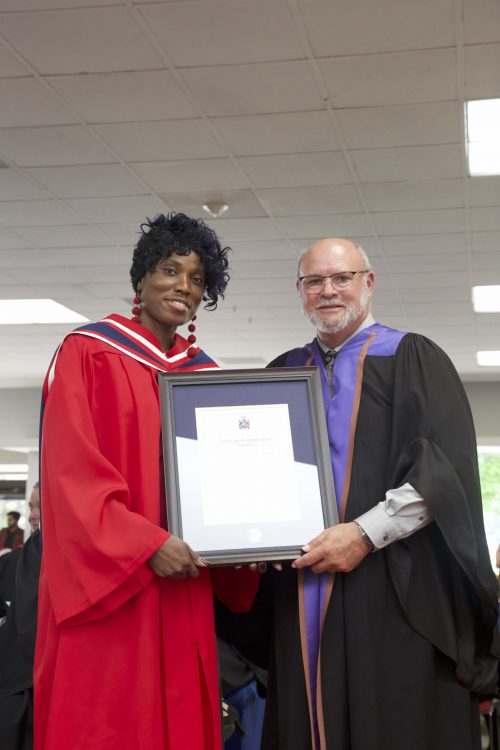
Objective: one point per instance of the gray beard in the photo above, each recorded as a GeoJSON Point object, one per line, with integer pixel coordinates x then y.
{"type": "Point", "coordinates": [350, 313]}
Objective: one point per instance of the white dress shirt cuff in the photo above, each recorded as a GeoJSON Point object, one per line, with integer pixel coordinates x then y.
{"type": "Point", "coordinates": [402, 513]}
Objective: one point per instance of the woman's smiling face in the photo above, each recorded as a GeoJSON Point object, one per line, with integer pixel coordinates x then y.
{"type": "Point", "coordinates": [171, 293]}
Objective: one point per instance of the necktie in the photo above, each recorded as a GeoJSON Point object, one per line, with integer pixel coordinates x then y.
{"type": "Point", "coordinates": [329, 361]}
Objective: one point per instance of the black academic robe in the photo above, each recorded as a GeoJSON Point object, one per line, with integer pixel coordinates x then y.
{"type": "Point", "coordinates": [403, 642]}
{"type": "Point", "coordinates": [17, 646]}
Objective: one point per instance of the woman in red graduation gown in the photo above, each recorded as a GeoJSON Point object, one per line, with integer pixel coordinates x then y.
{"type": "Point", "coordinates": [125, 656]}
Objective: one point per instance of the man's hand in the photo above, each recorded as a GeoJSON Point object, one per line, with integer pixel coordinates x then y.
{"type": "Point", "coordinates": [338, 548]}
{"type": "Point", "coordinates": [175, 559]}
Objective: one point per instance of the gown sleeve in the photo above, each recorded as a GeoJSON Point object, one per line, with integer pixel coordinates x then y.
{"type": "Point", "coordinates": [95, 548]}
{"type": "Point", "coordinates": [443, 574]}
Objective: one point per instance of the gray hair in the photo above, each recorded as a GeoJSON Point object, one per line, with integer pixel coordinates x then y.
{"type": "Point", "coordinates": [367, 266]}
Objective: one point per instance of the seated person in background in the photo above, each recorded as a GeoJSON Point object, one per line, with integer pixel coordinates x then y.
{"type": "Point", "coordinates": [17, 641]}
{"type": "Point", "coordinates": [12, 536]}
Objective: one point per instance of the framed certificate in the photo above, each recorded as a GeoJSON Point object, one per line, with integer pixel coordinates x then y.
{"type": "Point", "coordinates": [247, 465]}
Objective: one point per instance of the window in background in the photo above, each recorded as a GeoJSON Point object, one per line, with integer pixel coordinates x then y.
{"type": "Point", "coordinates": [489, 472]}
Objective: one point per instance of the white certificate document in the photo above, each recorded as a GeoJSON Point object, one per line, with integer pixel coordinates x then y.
{"type": "Point", "coordinates": [246, 464]}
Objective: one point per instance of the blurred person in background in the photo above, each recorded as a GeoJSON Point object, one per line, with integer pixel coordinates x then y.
{"type": "Point", "coordinates": [17, 638]}
{"type": "Point", "coordinates": [12, 536]}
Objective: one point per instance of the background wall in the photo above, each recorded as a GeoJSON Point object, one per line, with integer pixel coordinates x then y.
{"type": "Point", "coordinates": [20, 408]}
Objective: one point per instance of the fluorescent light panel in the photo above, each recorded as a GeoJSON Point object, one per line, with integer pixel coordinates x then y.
{"type": "Point", "coordinates": [488, 358]}
{"type": "Point", "coordinates": [486, 298]}
{"type": "Point", "coordinates": [483, 136]}
{"type": "Point", "coordinates": [18, 312]}
{"type": "Point", "coordinates": [14, 468]}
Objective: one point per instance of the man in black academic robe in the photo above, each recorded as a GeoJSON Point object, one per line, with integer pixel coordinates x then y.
{"type": "Point", "coordinates": [382, 631]}
{"type": "Point", "coordinates": [17, 641]}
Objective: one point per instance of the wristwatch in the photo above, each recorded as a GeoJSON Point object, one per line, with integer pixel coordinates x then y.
{"type": "Point", "coordinates": [365, 537]}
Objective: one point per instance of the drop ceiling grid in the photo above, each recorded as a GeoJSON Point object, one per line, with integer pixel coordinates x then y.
{"type": "Point", "coordinates": [399, 209]}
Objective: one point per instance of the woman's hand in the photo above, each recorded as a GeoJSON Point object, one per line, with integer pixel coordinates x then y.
{"type": "Point", "coordinates": [175, 559]}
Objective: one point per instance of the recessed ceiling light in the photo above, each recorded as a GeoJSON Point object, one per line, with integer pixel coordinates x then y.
{"type": "Point", "coordinates": [215, 208]}
{"type": "Point", "coordinates": [483, 136]}
{"type": "Point", "coordinates": [488, 358]}
{"type": "Point", "coordinates": [486, 298]}
{"type": "Point", "coordinates": [32, 311]}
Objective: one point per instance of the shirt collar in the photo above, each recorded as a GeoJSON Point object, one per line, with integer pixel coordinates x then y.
{"type": "Point", "coordinates": [367, 322]}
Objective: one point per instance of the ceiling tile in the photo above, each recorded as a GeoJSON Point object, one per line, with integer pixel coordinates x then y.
{"type": "Point", "coordinates": [54, 291]}
{"type": "Point", "coordinates": [124, 208]}
{"type": "Point", "coordinates": [160, 141]}
{"type": "Point", "coordinates": [245, 229]}
{"type": "Point", "coordinates": [243, 32]}
{"type": "Point", "coordinates": [36, 213]}
{"type": "Point", "coordinates": [324, 199]}
{"type": "Point", "coordinates": [424, 244]}
{"type": "Point", "coordinates": [481, 21]}
{"type": "Point", "coordinates": [58, 41]}
{"type": "Point", "coordinates": [28, 257]}
{"type": "Point", "coordinates": [251, 250]}
{"type": "Point", "coordinates": [26, 102]}
{"type": "Point", "coordinates": [18, 5]}
{"type": "Point", "coordinates": [404, 78]}
{"type": "Point", "coordinates": [10, 240]}
{"type": "Point", "coordinates": [484, 219]}
{"type": "Point", "coordinates": [427, 293]}
{"type": "Point", "coordinates": [483, 191]}
{"type": "Point", "coordinates": [68, 274]}
{"type": "Point", "coordinates": [387, 196]}
{"type": "Point", "coordinates": [486, 261]}
{"type": "Point", "coordinates": [347, 28]}
{"type": "Point", "coordinates": [16, 291]}
{"type": "Point", "coordinates": [254, 89]}
{"type": "Point", "coordinates": [10, 66]}
{"type": "Point", "coordinates": [336, 225]}
{"type": "Point", "coordinates": [278, 133]}
{"type": "Point", "coordinates": [484, 277]}
{"type": "Point", "coordinates": [290, 170]}
{"type": "Point", "coordinates": [265, 267]}
{"type": "Point", "coordinates": [102, 291]}
{"type": "Point", "coordinates": [124, 97]}
{"type": "Point", "coordinates": [63, 236]}
{"type": "Point", "coordinates": [88, 181]}
{"type": "Point", "coordinates": [90, 256]}
{"type": "Point", "coordinates": [418, 222]}
{"type": "Point", "coordinates": [123, 233]}
{"type": "Point", "coordinates": [15, 185]}
{"type": "Point", "coordinates": [180, 176]}
{"type": "Point", "coordinates": [428, 263]}
{"type": "Point", "coordinates": [481, 65]}
{"type": "Point", "coordinates": [241, 203]}
{"type": "Point", "coordinates": [432, 280]}
{"type": "Point", "coordinates": [409, 163]}
{"type": "Point", "coordinates": [486, 242]}
{"type": "Point", "coordinates": [51, 146]}
{"type": "Point", "coordinates": [405, 125]}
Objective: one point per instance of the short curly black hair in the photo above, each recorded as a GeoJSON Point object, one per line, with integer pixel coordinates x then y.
{"type": "Point", "coordinates": [178, 233]}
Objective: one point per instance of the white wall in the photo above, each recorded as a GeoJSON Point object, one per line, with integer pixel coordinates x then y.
{"type": "Point", "coordinates": [20, 410]}
{"type": "Point", "coordinates": [485, 404]}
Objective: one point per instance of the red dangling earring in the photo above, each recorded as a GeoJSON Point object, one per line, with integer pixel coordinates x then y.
{"type": "Point", "coordinates": [191, 338]}
{"type": "Point", "coordinates": [136, 310]}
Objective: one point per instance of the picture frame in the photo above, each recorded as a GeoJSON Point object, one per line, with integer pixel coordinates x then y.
{"type": "Point", "coordinates": [248, 472]}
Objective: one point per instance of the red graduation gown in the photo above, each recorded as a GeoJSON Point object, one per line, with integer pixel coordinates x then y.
{"type": "Point", "coordinates": [125, 660]}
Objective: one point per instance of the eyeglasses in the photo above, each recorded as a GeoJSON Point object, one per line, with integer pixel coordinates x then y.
{"type": "Point", "coordinates": [341, 280]}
